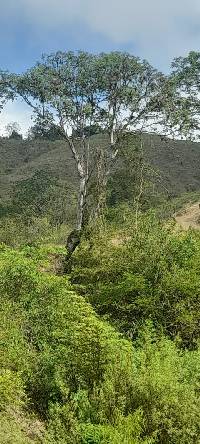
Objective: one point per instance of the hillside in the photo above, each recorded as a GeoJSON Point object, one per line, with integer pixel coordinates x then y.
{"type": "Point", "coordinates": [175, 166]}
{"type": "Point", "coordinates": [108, 353]}
{"type": "Point", "coordinates": [178, 163]}
{"type": "Point", "coordinates": [21, 159]}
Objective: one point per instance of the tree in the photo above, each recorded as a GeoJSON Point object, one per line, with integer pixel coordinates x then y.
{"type": "Point", "coordinates": [115, 91]}
{"type": "Point", "coordinates": [5, 92]}
{"type": "Point", "coordinates": [185, 78]}
{"type": "Point", "coordinates": [13, 130]}
{"type": "Point", "coordinates": [44, 128]}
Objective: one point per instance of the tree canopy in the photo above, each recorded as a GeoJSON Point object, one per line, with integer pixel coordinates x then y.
{"type": "Point", "coordinates": [73, 93]}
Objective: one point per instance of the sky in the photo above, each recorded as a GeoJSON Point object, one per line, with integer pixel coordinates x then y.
{"type": "Point", "coordinates": [157, 30]}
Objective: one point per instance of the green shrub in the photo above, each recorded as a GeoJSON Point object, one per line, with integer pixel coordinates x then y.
{"type": "Point", "coordinates": [164, 390]}
{"type": "Point", "coordinates": [148, 271]}
{"type": "Point", "coordinates": [67, 347]}
{"type": "Point", "coordinates": [11, 389]}
{"type": "Point", "coordinates": [77, 373]}
{"type": "Point", "coordinates": [127, 430]}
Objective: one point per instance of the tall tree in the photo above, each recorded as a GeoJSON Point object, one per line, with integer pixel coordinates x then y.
{"type": "Point", "coordinates": [79, 91]}
{"type": "Point", "coordinates": [185, 78]}
{"type": "Point", "coordinates": [44, 128]}
{"type": "Point", "coordinates": [6, 93]}
{"type": "Point", "coordinates": [13, 130]}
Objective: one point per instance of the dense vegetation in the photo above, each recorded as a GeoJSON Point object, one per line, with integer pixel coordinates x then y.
{"type": "Point", "coordinates": [108, 352]}
{"type": "Point", "coordinates": [130, 375]}
{"type": "Point", "coordinates": [31, 166]}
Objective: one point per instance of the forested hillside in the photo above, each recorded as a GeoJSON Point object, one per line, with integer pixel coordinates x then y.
{"type": "Point", "coordinates": [108, 353]}
{"type": "Point", "coordinates": [99, 284]}
{"type": "Point", "coordinates": [28, 166]}
{"type": "Point", "coordinates": [127, 372]}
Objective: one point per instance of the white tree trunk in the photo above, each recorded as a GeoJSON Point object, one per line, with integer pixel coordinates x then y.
{"type": "Point", "coordinates": [74, 237]}
{"type": "Point", "coordinates": [81, 202]}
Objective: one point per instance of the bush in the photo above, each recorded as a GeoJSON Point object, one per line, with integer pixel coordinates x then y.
{"type": "Point", "coordinates": [11, 389]}
{"type": "Point", "coordinates": [15, 232]}
{"type": "Point", "coordinates": [164, 390]}
{"type": "Point", "coordinates": [67, 347]}
{"type": "Point", "coordinates": [82, 378]}
{"type": "Point", "coordinates": [149, 271]}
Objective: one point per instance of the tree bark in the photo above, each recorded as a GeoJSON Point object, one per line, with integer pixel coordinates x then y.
{"type": "Point", "coordinates": [74, 237]}
{"type": "Point", "coordinates": [81, 203]}
{"type": "Point", "coordinates": [103, 172]}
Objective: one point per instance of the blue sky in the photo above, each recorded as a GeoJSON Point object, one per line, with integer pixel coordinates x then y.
{"type": "Point", "coordinates": [153, 29]}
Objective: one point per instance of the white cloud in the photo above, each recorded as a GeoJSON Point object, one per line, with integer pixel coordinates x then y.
{"type": "Point", "coordinates": [159, 28]}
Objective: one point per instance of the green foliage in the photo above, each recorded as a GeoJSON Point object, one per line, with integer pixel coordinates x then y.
{"type": "Point", "coordinates": [163, 388]}
{"type": "Point", "coordinates": [149, 271]}
{"type": "Point", "coordinates": [124, 183]}
{"type": "Point", "coordinates": [42, 195]}
{"type": "Point", "coordinates": [68, 375]}
{"type": "Point", "coordinates": [32, 194]}
{"type": "Point", "coordinates": [127, 430]}
{"type": "Point", "coordinates": [62, 426]}
{"type": "Point", "coordinates": [82, 92]}
{"type": "Point", "coordinates": [94, 88]}
{"type": "Point", "coordinates": [13, 130]}
{"type": "Point", "coordinates": [61, 346]}
{"type": "Point", "coordinates": [11, 389]}
{"type": "Point", "coordinates": [76, 372]}
{"type": "Point", "coordinates": [184, 76]}
{"type": "Point", "coordinates": [15, 232]}
{"type": "Point", "coordinates": [44, 128]}
{"type": "Point", "coordinates": [168, 209]}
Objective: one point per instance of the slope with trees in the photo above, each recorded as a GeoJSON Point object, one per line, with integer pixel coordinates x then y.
{"type": "Point", "coordinates": [108, 353]}
{"type": "Point", "coordinates": [116, 91]}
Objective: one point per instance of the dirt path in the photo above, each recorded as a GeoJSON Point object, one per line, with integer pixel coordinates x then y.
{"type": "Point", "coordinates": [189, 217]}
